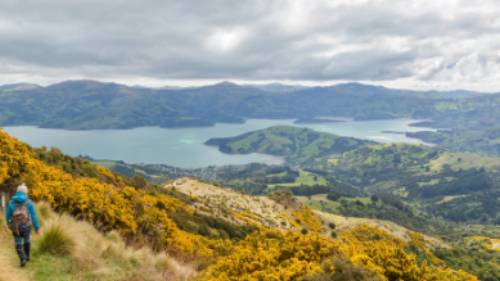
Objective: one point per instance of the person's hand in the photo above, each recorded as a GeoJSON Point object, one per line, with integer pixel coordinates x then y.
{"type": "Point", "coordinates": [37, 232]}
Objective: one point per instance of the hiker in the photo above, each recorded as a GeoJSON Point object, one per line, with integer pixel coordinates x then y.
{"type": "Point", "coordinates": [21, 217]}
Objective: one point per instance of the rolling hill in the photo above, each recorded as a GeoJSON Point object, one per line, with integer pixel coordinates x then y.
{"type": "Point", "coordinates": [297, 145]}
{"type": "Point", "coordinates": [228, 246]}
{"type": "Point", "coordinates": [405, 181]}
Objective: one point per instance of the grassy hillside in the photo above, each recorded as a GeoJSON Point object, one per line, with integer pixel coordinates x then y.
{"type": "Point", "coordinates": [274, 210]}
{"type": "Point", "coordinates": [411, 185]}
{"type": "Point", "coordinates": [89, 255]}
{"type": "Point", "coordinates": [261, 208]}
{"type": "Point", "coordinates": [295, 144]}
{"type": "Point", "coordinates": [228, 246]}
{"type": "Point", "coordinates": [232, 205]}
{"type": "Point", "coordinates": [469, 125]}
{"type": "Point", "coordinates": [455, 186]}
{"type": "Point", "coordinates": [399, 182]}
{"type": "Point", "coordinates": [465, 161]}
{"type": "Point", "coordinates": [484, 141]}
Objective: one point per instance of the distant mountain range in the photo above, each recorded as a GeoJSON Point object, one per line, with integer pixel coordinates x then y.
{"type": "Point", "coordinates": [269, 87]}
{"type": "Point", "coordinates": [87, 104]}
{"type": "Point", "coordinates": [84, 104]}
{"type": "Point", "coordinates": [18, 87]}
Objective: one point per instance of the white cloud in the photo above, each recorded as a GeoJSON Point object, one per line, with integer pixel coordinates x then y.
{"type": "Point", "coordinates": [224, 40]}
{"type": "Point", "coordinates": [293, 16]}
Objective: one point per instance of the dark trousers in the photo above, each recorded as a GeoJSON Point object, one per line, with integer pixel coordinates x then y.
{"type": "Point", "coordinates": [23, 243]}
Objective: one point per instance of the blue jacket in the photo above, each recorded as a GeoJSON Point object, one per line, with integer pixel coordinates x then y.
{"type": "Point", "coordinates": [21, 198]}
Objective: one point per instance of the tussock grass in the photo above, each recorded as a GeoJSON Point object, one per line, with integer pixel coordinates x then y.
{"type": "Point", "coordinates": [107, 257]}
{"type": "Point", "coordinates": [55, 241]}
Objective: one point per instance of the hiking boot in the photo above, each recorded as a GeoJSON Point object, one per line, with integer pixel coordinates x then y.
{"type": "Point", "coordinates": [23, 263]}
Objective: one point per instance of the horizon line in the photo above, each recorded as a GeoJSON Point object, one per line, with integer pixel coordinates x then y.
{"type": "Point", "coordinates": [199, 83]}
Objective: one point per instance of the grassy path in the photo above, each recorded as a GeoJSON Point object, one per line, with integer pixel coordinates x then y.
{"type": "Point", "coordinates": [9, 262]}
{"type": "Point", "coordinates": [93, 256]}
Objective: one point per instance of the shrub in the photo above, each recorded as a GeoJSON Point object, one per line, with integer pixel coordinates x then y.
{"type": "Point", "coordinates": [341, 269]}
{"type": "Point", "coordinates": [56, 241]}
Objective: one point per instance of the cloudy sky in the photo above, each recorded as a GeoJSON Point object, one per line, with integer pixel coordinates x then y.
{"type": "Point", "coordinates": [410, 44]}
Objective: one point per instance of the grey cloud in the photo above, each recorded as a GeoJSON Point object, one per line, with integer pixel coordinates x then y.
{"type": "Point", "coordinates": [168, 39]}
{"type": "Point", "coordinates": [387, 65]}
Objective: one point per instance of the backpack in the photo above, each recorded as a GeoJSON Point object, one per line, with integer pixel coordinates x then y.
{"type": "Point", "coordinates": [21, 217]}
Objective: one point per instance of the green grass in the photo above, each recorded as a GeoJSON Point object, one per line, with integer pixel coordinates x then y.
{"type": "Point", "coordinates": [50, 268]}
{"type": "Point", "coordinates": [464, 161]}
{"type": "Point", "coordinates": [442, 106]}
{"type": "Point", "coordinates": [305, 178]}
{"type": "Point", "coordinates": [428, 183]}
{"type": "Point", "coordinates": [106, 163]}
{"type": "Point", "coordinates": [297, 145]}
{"type": "Point", "coordinates": [472, 256]}
{"type": "Point", "coordinates": [320, 202]}
{"type": "Point", "coordinates": [277, 175]}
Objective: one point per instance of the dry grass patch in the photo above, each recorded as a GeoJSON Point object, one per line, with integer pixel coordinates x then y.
{"type": "Point", "coordinates": [108, 256]}
{"type": "Point", "coordinates": [232, 205]}
{"type": "Point", "coordinates": [343, 223]}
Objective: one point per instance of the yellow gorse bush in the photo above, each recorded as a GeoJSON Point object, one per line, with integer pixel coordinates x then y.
{"type": "Point", "coordinates": [305, 217]}
{"type": "Point", "coordinates": [387, 256]}
{"type": "Point", "coordinates": [272, 255]}
{"type": "Point", "coordinates": [278, 255]}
